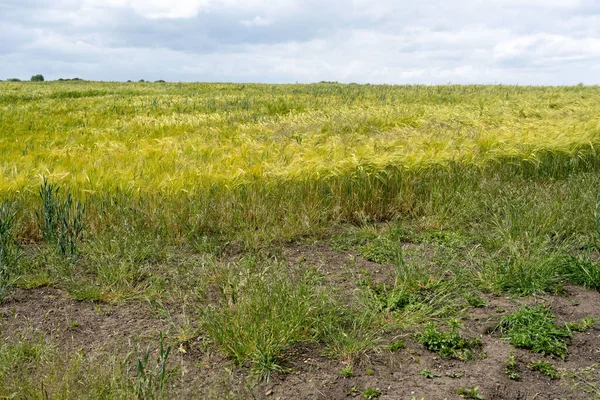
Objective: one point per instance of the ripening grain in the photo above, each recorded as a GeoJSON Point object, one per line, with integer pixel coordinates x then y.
{"type": "Point", "coordinates": [257, 154]}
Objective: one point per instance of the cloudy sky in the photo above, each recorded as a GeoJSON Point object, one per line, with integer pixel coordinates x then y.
{"type": "Point", "coordinates": [377, 41]}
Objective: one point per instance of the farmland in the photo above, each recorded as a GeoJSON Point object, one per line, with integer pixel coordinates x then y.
{"type": "Point", "coordinates": [299, 241]}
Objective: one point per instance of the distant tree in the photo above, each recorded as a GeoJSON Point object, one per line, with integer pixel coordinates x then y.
{"type": "Point", "coordinates": [37, 78]}
{"type": "Point", "coordinates": [129, 80]}
{"type": "Point", "coordinates": [159, 81]}
{"type": "Point", "coordinates": [13, 80]}
{"type": "Point", "coordinates": [141, 80]}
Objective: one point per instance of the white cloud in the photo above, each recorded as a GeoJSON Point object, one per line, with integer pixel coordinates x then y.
{"type": "Point", "coordinates": [378, 41]}
{"type": "Point", "coordinates": [257, 21]}
{"type": "Point", "coordinates": [542, 48]}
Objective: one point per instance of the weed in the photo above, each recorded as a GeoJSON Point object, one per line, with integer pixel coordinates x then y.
{"type": "Point", "coordinates": [470, 393]}
{"type": "Point", "coordinates": [397, 345]}
{"type": "Point", "coordinates": [347, 371]}
{"type": "Point", "coordinates": [582, 325]}
{"type": "Point", "coordinates": [371, 393]}
{"type": "Point", "coordinates": [511, 367]}
{"type": "Point", "coordinates": [153, 375]}
{"type": "Point", "coordinates": [448, 344]}
{"type": "Point", "coordinates": [60, 220]}
{"type": "Point", "coordinates": [475, 301]}
{"type": "Point", "coordinates": [533, 328]}
{"type": "Point", "coordinates": [428, 374]}
{"type": "Point", "coordinates": [585, 379]}
{"type": "Point", "coordinates": [369, 372]}
{"type": "Point", "coordinates": [544, 368]}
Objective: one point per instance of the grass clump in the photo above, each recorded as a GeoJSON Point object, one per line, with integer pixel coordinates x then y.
{"type": "Point", "coordinates": [527, 277]}
{"type": "Point", "coordinates": [381, 250]}
{"type": "Point", "coordinates": [448, 344]}
{"type": "Point", "coordinates": [544, 368]}
{"type": "Point", "coordinates": [582, 271]}
{"type": "Point", "coordinates": [347, 371]}
{"type": "Point", "coordinates": [533, 328]}
{"type": "Point", "coordinates": [263, 310]}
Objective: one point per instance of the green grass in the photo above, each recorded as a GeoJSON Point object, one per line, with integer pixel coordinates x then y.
{"type": "Point", "coordinates": [263, 309]}
{"type": "Point", "coordinates": [26, 362]}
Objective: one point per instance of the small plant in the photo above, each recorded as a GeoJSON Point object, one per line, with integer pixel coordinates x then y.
{"type": "Point", "coordinates": [511, 367]}
{"type": "Point", "coordinates": [60, 219]}
{"type": "Point", "coordinates": [397, 345]}
{"type": "Point", "coordinates": [582, 325]}
{"type": "Point", "coordinates": [152, 375]}
{"type": "Point", "coordinates": [533, 328]}
{"type": "Point", "coordinates": [475, 301]}
{"type": "Point", "coordinates": [455, 374]}
{"type": "Point", "coordinates": [371, 393]}
{"type": "Point", "coordinates": [472, 393]}
{"type": "Point", "coordinates": [347, 371]}
{"type": "Point", "coordinates": [448, 344]}
{"type": "Point", "coordinates": [387, 297]}
{"type": "Point", "coordinates": [428, 374]}
{"type": "Point", "coordinates": [369, 372]}
{"type": "Point", "coordinates": [544, 368]}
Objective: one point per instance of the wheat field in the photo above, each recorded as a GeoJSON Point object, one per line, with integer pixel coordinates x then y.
{"type": "Point", "coordinates": [274, 239]}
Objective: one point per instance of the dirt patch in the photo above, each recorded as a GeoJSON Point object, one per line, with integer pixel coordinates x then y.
{"type": "Point", "coordinates": [341, 268]}
{"type": "Point", "coordinates": [397, 375]}
{"type": "Point", "coordinates": [202, 371]}
{"type": "Point", "coordinates": [76, 325]}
